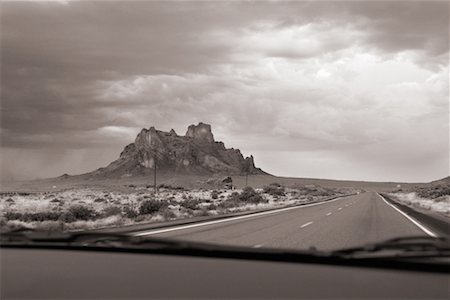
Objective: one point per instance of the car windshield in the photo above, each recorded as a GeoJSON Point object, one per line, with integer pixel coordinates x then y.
{"type": "Point", "coordinates": [306, 126]}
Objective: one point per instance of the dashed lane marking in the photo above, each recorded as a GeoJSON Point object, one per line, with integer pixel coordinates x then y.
{"type": "Point", "coordinates": [157, 231]}
{"type": "Point", "coordinates": [306, 224]}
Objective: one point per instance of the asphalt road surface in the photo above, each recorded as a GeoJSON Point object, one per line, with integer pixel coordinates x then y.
{"type": "Point", "coordinates": [344, 222]}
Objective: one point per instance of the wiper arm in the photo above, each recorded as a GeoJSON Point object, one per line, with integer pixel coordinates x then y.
{"type": "Point", "coordinates": [416, 246]}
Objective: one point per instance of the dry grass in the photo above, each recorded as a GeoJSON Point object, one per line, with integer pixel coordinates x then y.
{"type": "Point", "coordinates": [82, 208]}
{"type": "Point", "coordinates": [440, 204]}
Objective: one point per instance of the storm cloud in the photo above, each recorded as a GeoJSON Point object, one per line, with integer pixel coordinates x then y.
{"type": "Point", "coordinates": [345, 90]}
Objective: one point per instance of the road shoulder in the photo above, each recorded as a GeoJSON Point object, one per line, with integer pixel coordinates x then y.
{"type": "Point", "coordinates": [439, 225]}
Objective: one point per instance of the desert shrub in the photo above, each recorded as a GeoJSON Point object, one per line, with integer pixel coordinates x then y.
{"type": "Point", "coordinates": [211, 206]}
{"type": "Point", "coordinates": [274, 189]}
{"type": "Point", "coordinates": [12, 215]}
{"type": "Point", "coordinates": [55, 200]}
{"type": "Point", "coordinates": [233, 195]}
{"type": "Point", "coordinates": [79, 212]}
{"type": "Point", "coordinates": [315, 191]}
{"type": "Point", "coordinates": [9, 200]}
{"type": "Point", "coordinates": [172, 202]}
{"type": "Point", "coordinates": [230, 202]}
{"type": "Point", "coordinates": [140, 218]}
{"type": "Point", "coordinates": [99, 200]}
{"type": "Point", "coordinates": [168, 214]}
{"type": "Point", "coordinates": [131, 186]}
{"type": "Point", "coordinates": [111, 211]}
{"type": "Point", "coordinates": [150, 207]}
{"type": "Point", "coordinates": [33, 217]}
{"type": "Point", "coordinates": [129, 212]}
{"type": "Point", "coordinates": [190, 203]}
{"type": "Point", "coordinates": [434, 191]}
{"type": "Point", "coordinates": [201, 213]}
{"type": "Point", "coordinates": [249, 195]}
{"type": "Point", "coordinates": [68, 217]}
{"type": "Point", "coordinates": [214, 194]}
{"type": "Point", "coordinates": [165, 186]}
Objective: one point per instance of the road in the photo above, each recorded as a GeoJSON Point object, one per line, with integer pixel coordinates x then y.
{"type": "Point", "coordinates": [344, 222]}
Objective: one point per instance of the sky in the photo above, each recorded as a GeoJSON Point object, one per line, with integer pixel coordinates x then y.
{"type": "Point", "coordinates": [340, 90]}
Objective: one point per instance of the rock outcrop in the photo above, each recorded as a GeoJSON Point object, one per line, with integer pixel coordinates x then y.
{"type": "Point", "coordinates": [195, 153]}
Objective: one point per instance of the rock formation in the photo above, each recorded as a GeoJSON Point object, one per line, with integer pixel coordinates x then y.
{"type": "Point", "coordinates": [194, 153]}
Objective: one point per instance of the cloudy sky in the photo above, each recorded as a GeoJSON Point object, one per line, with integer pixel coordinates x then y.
{"type": "Point", "coordinates": [343, 90]}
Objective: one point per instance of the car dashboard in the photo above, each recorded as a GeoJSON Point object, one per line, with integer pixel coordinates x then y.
{"type": "Point", "coordinates": [74, 274]}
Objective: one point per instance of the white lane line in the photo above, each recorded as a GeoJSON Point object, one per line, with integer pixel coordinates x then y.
{"type": "Point", "coordinates": [422, 227]}
{"type": "Point", "coordinates": [306, 224]}
{"type": "Point", "coordinates": [329, 214]}
{"type": "Point", "coordinates": [153, 231]}
{"type": "Point", "coordinates": [257, 246]}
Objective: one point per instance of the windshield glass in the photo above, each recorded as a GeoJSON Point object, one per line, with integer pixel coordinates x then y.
{"type": "Point", "coordinates": [291, 125]}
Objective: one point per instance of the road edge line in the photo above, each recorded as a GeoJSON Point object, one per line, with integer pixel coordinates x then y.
{"type": "Point", "coordinates": [415, 222]}
{"type": "Point", "coordinates": [181, 227]}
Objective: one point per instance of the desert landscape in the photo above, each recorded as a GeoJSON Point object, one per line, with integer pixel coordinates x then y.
{"type": "Point", "coordinates": [94, 207]}
{"type": "Point", "coordinates": [195, 176]}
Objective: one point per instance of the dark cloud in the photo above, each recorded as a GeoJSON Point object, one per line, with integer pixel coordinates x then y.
{"type": "Point", "coordinates": [84, 74]}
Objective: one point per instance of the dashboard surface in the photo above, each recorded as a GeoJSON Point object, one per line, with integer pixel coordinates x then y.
{"type": "Point", "coordinates": [67, 274]}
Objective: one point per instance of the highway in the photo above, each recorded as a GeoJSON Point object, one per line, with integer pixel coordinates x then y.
{"type": "Point", "coordinates": [344, 222]}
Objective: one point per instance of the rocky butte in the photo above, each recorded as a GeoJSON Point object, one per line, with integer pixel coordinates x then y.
{"type": "Point", "coordinates": [194, 153]}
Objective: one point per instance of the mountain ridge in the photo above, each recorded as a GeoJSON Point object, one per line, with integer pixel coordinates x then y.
{"type": "Point", "coordinates": [194, 153]}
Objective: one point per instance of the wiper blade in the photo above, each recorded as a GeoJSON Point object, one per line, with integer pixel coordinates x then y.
{"type": "Point", "coordinates": [125, 242]}
{"type": "Point", "coordinates": [415, 246]}
{"type": "Point", "coordinates": [112, 242]}
{"type": "Point", "coordinates": [85, 239]}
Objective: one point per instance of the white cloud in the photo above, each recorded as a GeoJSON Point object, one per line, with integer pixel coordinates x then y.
{"type": "Point", "coordinates": [356, 86]}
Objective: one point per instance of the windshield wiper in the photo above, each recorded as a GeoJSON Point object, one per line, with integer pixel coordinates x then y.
{"type": "Point", "coordinates": [112, 242]}
{"type": "Point", "coordinates": [26, 237]}
{"type": "Point", "coordinates": [125, 242]}
{"type": "Point", "coordinates": [404, 247]}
